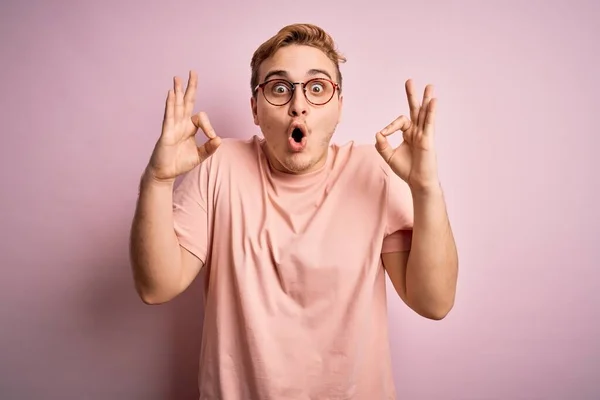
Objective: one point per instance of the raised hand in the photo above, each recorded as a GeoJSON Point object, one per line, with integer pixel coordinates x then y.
{"type": "Point", "coordinates": [176, 151]}
{"type": "Point", "coordinates": [414, 159]}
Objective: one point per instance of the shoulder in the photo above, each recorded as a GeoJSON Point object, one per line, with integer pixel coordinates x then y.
{"type": "Point", "coordinates": [233, 152]}
{"type": "Point", "coordinates": [362, 159]}
{"type": "Point", "coordinates": [232, 155]}
{"type": "Point", "coordinates": [231, 147]}
{"type": "Point", "coordinates": [364, 167]}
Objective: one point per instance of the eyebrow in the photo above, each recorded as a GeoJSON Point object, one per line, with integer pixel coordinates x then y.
{"type": "Point", "coordinates": [284, 73]}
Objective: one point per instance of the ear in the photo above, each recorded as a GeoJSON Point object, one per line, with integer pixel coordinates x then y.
{"type": "Point", "coordinates": [253, 106]}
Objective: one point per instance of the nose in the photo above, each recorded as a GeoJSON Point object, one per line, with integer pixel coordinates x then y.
{"type": "Point", "coordinates": [298, 104]}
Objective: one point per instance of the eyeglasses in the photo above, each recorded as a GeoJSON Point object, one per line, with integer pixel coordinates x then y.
{"type": "Point", "coordinates": [279, 92]}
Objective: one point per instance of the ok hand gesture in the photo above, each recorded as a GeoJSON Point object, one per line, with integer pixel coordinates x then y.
{"type": "Point", "coordinates": [414, 159]}
{"type": "Point", "coordinates": [176, 151]}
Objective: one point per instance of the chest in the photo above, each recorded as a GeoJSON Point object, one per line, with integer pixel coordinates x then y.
{"type": "Point", "coordinates": [328, 223]}
{"type": "Point", "coordinates": [311, 243]}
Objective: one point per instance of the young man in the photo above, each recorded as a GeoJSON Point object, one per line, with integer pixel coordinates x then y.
{"type": "Point", "coordinates": [296, 233]}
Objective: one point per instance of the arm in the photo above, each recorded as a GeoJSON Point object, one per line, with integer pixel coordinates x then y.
{"type": "Point", "coordinates": [166, 222]}
{"type": "Point", "coordinates": [426, 276]}
{"type": "Point", "coordinates": [162, 269]}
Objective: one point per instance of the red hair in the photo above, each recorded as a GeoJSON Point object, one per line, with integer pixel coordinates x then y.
{"type": "Point", "coordinates": [300, 34]}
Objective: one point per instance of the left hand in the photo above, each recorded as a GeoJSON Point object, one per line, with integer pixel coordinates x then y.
{"type": "Point", "coordinates": [414, 159]}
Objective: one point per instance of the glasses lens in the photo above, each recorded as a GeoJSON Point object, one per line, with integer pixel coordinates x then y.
{"type": "Point", "coordinates": [319, 91]}
{"type": "Point", "coordinates": [278, 92]}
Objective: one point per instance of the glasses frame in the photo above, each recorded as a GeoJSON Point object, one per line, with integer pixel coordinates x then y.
{"type": "Point", "coordinates": [336, 88]}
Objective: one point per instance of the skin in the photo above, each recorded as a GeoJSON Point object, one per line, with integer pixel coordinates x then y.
{"type": "Point", "coordinates": [162, 269]}
{"type": "Point", "coordinates": [297, 64]}
{"type": "Point", "coordinates": [425, 277]}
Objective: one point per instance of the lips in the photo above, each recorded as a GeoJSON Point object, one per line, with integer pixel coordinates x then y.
{"type": "Point", "coordinates": [297, 131]}
{"type": "Point", "coordinates": [297, 136]}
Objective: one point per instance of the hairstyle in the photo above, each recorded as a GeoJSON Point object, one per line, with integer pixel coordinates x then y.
{"type": "Point", "coordinates": [300, 34]}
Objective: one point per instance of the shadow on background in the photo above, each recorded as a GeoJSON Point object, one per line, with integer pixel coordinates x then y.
{"type": "Point", "coordinates": [122, 335]}
{"type": "Point", "coordinates": [187, 312]}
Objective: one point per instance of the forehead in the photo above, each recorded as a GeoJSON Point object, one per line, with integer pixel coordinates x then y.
{"type": "Point", "coordinates": [298, 61]}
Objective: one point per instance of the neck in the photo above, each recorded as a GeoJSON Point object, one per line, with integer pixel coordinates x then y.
{"type": "Point", "coordinates": [278, 167]}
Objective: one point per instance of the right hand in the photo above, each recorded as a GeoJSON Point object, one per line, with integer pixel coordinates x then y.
{"type": "Point", "coordinates": [176, 151]}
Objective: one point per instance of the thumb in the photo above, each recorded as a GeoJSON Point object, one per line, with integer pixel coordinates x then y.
{"type": "Point", "coordinates": [383, 147]}
{"type": "Point", "coordinates": [208, 148]}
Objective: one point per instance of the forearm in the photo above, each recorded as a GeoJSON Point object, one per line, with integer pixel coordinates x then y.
{"type": "Point", "coordinates": [432, 266]}
{"type": "Point", "coordinates": [154, 248]}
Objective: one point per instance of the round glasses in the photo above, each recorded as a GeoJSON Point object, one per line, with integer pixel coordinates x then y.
{"type": "Point", "coordinates": [279, 92]}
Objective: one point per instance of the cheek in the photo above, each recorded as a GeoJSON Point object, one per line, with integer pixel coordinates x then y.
{"type": "Point", "coordinates": [272, 118]}
{"type": "Point", "coordinates": [266, 120]}
{"type": "Point", "coordinates": [329, 121]}
{"type": "Point", "coordinates": [270, 125]}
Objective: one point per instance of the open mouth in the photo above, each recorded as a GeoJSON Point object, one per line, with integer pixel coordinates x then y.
{"type": "Point", "coordinates": [297, 135]}
{"type": "Point", "coordinates": [297, 139]}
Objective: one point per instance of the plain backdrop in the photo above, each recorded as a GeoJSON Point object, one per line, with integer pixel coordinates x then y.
{"type": "Point", "coordinates": [83, 86]}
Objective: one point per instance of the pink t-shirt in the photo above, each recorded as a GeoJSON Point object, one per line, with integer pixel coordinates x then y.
{"type": "Point", "coordinates": [295, 291]}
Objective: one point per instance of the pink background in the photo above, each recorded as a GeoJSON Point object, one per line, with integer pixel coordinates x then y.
{"type": "Point", "coordinates": [83, 89]}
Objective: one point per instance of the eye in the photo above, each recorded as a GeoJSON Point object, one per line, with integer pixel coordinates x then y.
{"type": "Point", "coordinates": [279, 88]}
{"type": "Point", "coordinates": [317, 87]}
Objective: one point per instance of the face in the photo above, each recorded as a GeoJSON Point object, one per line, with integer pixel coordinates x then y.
{"type": "Point", "coordinates": [303, 149]}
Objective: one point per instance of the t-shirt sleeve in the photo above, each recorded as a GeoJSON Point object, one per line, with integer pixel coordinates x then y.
{"type": "Point", "coordinates": [398, 234]}
{"type": "Point", "coordinates": [190, 215]}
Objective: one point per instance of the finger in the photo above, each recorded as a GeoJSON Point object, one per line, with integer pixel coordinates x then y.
{"type": "Point", "coordinates": [178, 98]}
{"type": "Point", "coordinates": [169, 109]}
{"type": "Point", "coordinates": [402, 123]}
{"type": "Point", "coordinates": [190, 94]}
{"type": "Point", "coordinates": [427, 93]}
{"type": "Point", "coordinates": [429, 125]}
{"type": "Point", "coordinates": [202, 122]}
{"type": "Point", "coordinates": [413, 103]}
{"type": "Point", "coordinates": [383, 147]}
{"type": "Point", "coordinates": [208, 148]}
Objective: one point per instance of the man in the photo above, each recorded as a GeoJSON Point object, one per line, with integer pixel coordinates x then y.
{"type": "Point", "coordinates": [296, 233]}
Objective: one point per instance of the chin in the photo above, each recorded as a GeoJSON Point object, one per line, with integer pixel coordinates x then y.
{"type": "Point", "coordinates": [297, 163]}
{"type": "Point", "coordinates": [281, 158]}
